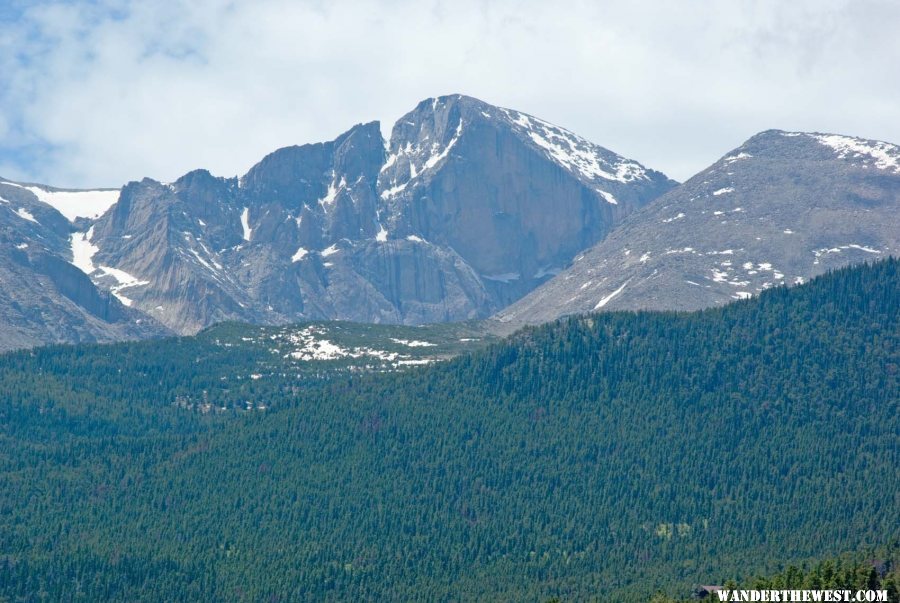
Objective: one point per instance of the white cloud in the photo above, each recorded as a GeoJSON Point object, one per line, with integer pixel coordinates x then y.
{"type": "Point", "coordinates": [122, 89]}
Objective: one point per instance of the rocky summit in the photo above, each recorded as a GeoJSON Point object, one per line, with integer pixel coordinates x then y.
{"type": "Point", "coordinates": [468, 211]}
{"type": "Point", "coordinates": [464, 210]}
{"type": "Point", "coordinates": [778, 210]}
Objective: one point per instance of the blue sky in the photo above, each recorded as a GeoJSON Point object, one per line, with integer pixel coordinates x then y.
{"type": "Point", "coordinates": [99, 93]}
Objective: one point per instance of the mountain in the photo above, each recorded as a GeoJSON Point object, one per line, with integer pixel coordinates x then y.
{"type": "Point", "coordinates": [43, 297]}
{"type": "Point", "coordinates": [600, 457]}
{"type": "Point", "coordinates": [780, 209]}
{"type": "Point", "coordinates": [467, 208]}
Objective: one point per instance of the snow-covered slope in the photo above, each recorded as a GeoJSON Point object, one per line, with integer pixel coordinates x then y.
{"type": "Point", "coordinates": [73, 204]}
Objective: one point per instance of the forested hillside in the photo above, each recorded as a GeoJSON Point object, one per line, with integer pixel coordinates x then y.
{"type": "Point", "coordinates": [871, 569]}
{"type": "Point", "coordinates": [602, 457]}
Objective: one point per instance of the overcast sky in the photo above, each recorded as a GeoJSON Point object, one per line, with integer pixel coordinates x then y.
{"type": "Point", "coordinates": [97, 93]}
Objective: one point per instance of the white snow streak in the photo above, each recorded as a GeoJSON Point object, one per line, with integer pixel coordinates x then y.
{"type": "Point", "coordinates": [435, 159]}
{"type": "Point", "coordinates": [124, 281]}
{"type": "Point", "coordinates": [608, 196]}
{"type": "Point", "coordinates": [245, 223]}
{"type": "Point", "coordinates": [26, 215]}
{"type": "Point", "coordinates": [609, 297]}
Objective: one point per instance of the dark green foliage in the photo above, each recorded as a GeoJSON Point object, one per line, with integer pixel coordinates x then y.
{"type": "Point", "coordinates": [877, 569]}
{"type": "Point", "coordinates": [872, 569]}
{"type": "Point", "coordinates": [603, 457]}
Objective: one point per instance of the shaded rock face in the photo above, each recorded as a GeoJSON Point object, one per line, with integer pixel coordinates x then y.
{"type": "Point", "coordinates": [43, 297]}
{"type": "Point", "coordinates": [778, 210]}
{"type": "Point", "coordinates": [467, 208]}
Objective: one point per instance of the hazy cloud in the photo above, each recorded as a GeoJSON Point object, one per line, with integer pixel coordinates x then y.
{"type": "Point", "coordinates": [101, 92]}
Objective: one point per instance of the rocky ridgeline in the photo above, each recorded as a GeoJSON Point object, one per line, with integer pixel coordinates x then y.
{"type": "Point", "coordinates": [466, 209]}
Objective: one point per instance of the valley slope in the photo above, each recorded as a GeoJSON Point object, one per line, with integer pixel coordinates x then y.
{"type": "Point", "coordinates": [605, 456]}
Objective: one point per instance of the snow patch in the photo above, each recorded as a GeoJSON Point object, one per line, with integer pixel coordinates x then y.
{"type": "Point", "coordinates": [26, 215]}
{"type": "Point", "coordinates": [333, 190]}
{"type": "Point", "coordinates": [825, 250]}
{"type": "Point", "coordinates": [609, 198]}
{"type": "Point", "coordinates": [723, 191]}
{"type": "Point", "coordinates": [435, 159]}
{"type": "Point", "coordinates": [391, 160]}
{"type": "Point", "coordinates": [574, 153]}
{"type": "Point", "coordinates": [609, 297]}
{"type": "Point", "coordinates": [83, 250]}
{"type": "Point", "coordinates": [393, 191]}
{"type": "Point", "coordinates": [245, 223]}
{"type": "Point", "coordinates": [75, 204]}
{"type": "Point", "coordinates": [732, 158]}
{"type": "Point", "coordinates": [413, 343]}
{"type": "Point", "coordinates": [884, 155]}
{"type": "Point", "coordinates": [123, 281]}
{"type": "Point", "coordinates": [719, 276]}
{"type": "Point", "coordinates": [678, 217]}
{"type": "Point", "coordinates": [299, 255]}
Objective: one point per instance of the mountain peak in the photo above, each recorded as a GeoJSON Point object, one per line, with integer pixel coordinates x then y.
{"type": "Point", "coordinates": [857, 151]}
{"type": "Point", "coordinates": [470, 207]}
{"type": "Point", "coordinates": [777, 210]}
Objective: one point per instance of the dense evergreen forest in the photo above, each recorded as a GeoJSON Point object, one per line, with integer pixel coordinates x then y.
{"type": "Point", "coordinates": [872, 569]}
{"type": "Point", "coordinates": [606, 457]}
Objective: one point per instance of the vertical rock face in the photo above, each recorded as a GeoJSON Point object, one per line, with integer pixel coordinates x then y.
{"type": "Point", "coordinates": [466, 209]}
{"type": "Point", "coordinates": [780, 209]}
{"type": "Point", "coordinates": [515, 196]}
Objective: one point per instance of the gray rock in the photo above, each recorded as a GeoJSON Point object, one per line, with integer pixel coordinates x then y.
{"type": "Point", "coordinates": [778, 210]}
{"type": "Point", "coordinates": [43, 297]}
{"type": "Point", "coordinates": [467, 208]}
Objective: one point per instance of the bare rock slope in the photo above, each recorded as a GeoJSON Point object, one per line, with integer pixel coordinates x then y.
{"type": "Point", "coordinates": [778, 210]}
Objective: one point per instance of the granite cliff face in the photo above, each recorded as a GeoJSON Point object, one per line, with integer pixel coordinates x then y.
{"type": "Point", "coordinates": [466, 209]}
{"type": "Point", "coordinates": [515, 196]}
{"type": "Point", "coordinates": [44, 298]}
{"type": "Point", "coordinates": [778, 210]}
